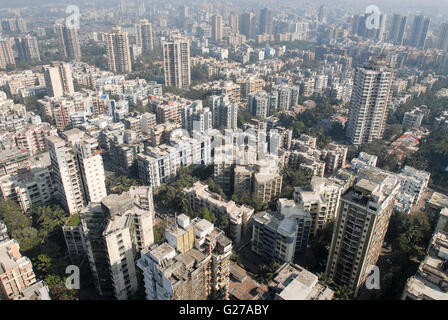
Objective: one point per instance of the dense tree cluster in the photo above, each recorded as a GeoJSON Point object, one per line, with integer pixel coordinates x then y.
{"type": "Point", "coordinates": [409, 235]}
{"type": "Point", "coordinates": [432, 156]}
{"type": "Point", "coordinates": [39, 234]}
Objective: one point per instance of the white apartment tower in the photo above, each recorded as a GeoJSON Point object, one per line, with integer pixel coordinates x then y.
{"type": "Point", "coordinates": [216, 28]}
{"type": "Point", "coordinates": [371, 95]}
{"type": "Point", "coordinates": [321, 200]}
{"type": "Point", "coordinates": [78, 170]}
{"type": "Point", "coordinates": [118, 52]}
{"type": "Point", "coordinates": [143, 32]}
{"type": "Point", "coordinates": [176, 60]}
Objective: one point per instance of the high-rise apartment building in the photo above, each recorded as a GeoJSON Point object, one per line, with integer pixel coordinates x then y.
{"type": "Point", "coordinates": [78, 170]}
{"type": "Point", "coordinates": [144, 35]}
{"type": "Point", "coordinates": [59, 79]}
{"type": "Point", "coordinates": [398, 28]}
{"type": "Point", "coordinates": [360, 227]}
{"type": "Point", "coordinates": [217, 28]}
{"type": "Point", "coordinates": [115, 230]}
{"type": "Point", "coordinates": [118, 51]}
{"type": "Point", "coordinates": [68, 41]}
{"type": "Point", "coordinates": [193, 265]}
{"type": "Point", "coordinates": [371, 95]}
{"type": "Point", "coordinates": [234, 22]}
{"type": "Point", "coordinates": [258, 104]}
{"type": "Point", "coordinates": [6, 53]}
{"type": "Point", "coordinates": [443, 36]}
{"type": "Point", "coordinates": [247, 24]}
{"type": "Point", "coordinates": [28, 49]}
{"type": "Point", "coordinates": [322, 14]}
{"type": "Point", "coordinates": [224, 112]}
{"type": "Point", "coordinates": [266, 21]}
{"type": "Point", "coordinates": [176, 59]}
{"type": "Point", "coordinates": [419, 32]}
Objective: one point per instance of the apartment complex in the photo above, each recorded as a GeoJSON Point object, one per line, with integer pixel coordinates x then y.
{"type": "Point", "coordinates": [320, 199]}
{"type": "Point", "coordinates": [118, 52]}
{"type": "Point", "coordinates": [27, 48]}
{"type": "Point", "coordinates": [199, 197]}
{"type": "Point", "coordinates": [224, 112]}
{"type": "Point", "coordinates": [217, 28]}
{"type": "Point", "coordinates": [160, 164]}
{"type": "Point", "coordinates": [274, 236]}
{"type": "Point", "coordinates": [360, 227]}
{"type": "Point", "coordinates": [195, 266]}
{"type": "Point", "coordinates": [32, 187]}
{"type": "Point", "coordinates": [6, 53]}
{"type": "Point", "coordinates": [78, 170]}
{"type": "Point", "coordinates": [115, 230]}
{"type": "Point", "coordinates": [59, 79]}
{"type": "Point", "coordinates": [144, 35]}
{"type": "Point", "coordinates": [33, 137]}
{"type": "Point", "coordinates": [176, 59]}
{"type": "Point", "coordinates": [371, 96]}
{"type": "Point", "coordinates": [17, 278]}
{"type": "Point", "coordinates": [68, 41]}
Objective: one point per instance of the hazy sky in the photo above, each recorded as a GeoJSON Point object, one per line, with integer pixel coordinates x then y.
{"type": "Point", "coordinates": [426, 6]}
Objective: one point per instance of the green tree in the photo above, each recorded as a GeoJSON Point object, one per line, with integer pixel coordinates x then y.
{"type": "Point", "coordinates": [342, 293]}
{"type": "Point", "coordinates": [58, 290]}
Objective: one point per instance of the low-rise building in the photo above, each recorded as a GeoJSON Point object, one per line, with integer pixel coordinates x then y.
{"type": "Point", "coordinates": [16, 273]}
{"type": "Point", "coordinates": [199, 197]}
{"type": "Point", "coordinates": [292, 282]}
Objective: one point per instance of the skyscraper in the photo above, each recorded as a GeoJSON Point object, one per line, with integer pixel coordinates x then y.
{"type": "Point", "coordinates": [176, 60]}
{"type": "Point", "coordinates": [217, 28]}
{"type": "Point", "coordinates": [6, 54]}
{"type": "Point", "coordinates": [371, 95]}
{"type": "Point", "coordinates": [78, 170]}
{"type": "Point", "coordinates": [234, 22]}
{"type": "Point", "coordinates": [266, 22]}
{"type": "Point", "coordinates": [27, 48]}
{"type": "Point", "coordinates": [398, 28]}
{"type": "Point", "coordinates": [118, 52]}
{"type": "Point", "coordinates": [360, 227]}
{"type": "Point", "coordinates": [247, 25]}
{"type": "Point", "coordinates": [443, 37]}
{"type": "Point", "coordinates": [322, 14]}
{"type": "Point", "coordinates": [417, 37]}
{"type": "Point", "coordinates": [68, 41]}
{"type": "Point", "coordinates": [143, 33]}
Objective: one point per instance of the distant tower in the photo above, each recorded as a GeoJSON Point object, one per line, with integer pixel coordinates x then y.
{"type": "Point", "coordinates": [68, 41]}
{"type": "Point", "coordinates": [419, 32]}
{"type": "Point", "coordinates": [176, 60]}
{"type": "Point", "coordinates": [217, 28]}
{"type": "Point", "coordinates": [144, 35]}
{"type": "Point", "coordinates": [118, 52]}
{"type": "Point", "coordinates": [266, 22]}
{"type": "Point", "coordinates": [322, 15]}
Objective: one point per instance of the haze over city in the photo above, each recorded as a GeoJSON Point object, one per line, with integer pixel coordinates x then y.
{"type": "Point", "coordinates": [267, 151]}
